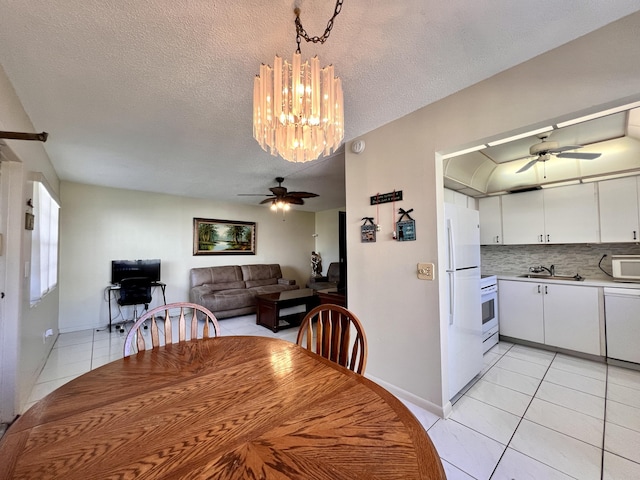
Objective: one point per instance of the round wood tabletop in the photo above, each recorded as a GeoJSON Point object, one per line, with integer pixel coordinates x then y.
{"type": "Point", "coordinates": [222, 408]}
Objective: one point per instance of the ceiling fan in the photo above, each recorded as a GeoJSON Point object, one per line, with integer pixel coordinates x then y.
{"type": "Point", "coordinates": [281, 196]}
{"type": "Point", "coordinates": [543, 151]}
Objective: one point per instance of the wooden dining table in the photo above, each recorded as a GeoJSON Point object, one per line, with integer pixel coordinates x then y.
{"type": "Point", "coordinates": [222, 408]}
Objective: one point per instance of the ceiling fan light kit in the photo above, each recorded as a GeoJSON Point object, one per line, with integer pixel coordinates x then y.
{"type": "Point", "coordinates": [298, 106]}
{"type": "Point", "coordinates": [280, 198]}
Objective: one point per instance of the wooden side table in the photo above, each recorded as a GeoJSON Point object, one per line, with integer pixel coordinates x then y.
{"type": "Point", "coordinates": [332, 296]}
{"type": "Point", "coordinates": [270, 304]}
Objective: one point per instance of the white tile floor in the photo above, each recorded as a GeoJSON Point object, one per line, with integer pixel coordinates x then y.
{"type": "Point", "coordinates": [533, 414]}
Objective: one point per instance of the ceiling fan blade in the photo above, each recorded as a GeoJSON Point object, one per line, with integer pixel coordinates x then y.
{"type": "Point", "coordinates": [293, 200]}
{"type": "Point", "coordinates": [564, 148]}
{"type": "Point", "coordinates": [302, 194]}
{"type": "Point", "coordinates": [528, 165]}
{"type": "Point", "coordinates": [254, 194]}
{"type": "Point", "coordinates": [278, 191]}
{"type": "Point", "coordinates": [268, 200]}
{"type": "Point", "coordinates": [579, 155]}
{"type": "Point", "coordinates": [42, 137]}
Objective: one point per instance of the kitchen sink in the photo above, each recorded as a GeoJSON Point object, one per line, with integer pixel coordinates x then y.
{"type": "Point", "coordinates": [575, 278]}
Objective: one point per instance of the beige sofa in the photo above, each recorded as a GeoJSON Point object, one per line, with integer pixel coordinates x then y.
{"type": "Point", "coordinates": [231, 290]}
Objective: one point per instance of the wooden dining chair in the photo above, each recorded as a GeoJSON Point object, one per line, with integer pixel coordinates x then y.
{"type": "Point", "coordinates": [338, 336]}
{"type": "Point", "coordinates": [187, 317]}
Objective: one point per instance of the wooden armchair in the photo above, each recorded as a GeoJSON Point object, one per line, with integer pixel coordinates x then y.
{"type": "Point", "coordinates": [338, 335]}
{"type": "Point", "coordinates": [187, 314]}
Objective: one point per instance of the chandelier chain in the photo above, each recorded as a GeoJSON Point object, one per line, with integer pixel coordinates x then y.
{"type": "Point", "coordinates": [302, 33]}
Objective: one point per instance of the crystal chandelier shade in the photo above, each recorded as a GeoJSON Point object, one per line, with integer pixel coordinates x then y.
{"type": "Point", "coordinates": [298, 109]}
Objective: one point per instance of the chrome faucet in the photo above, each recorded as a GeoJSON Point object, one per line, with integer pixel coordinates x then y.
{"type": "Point", "coordinates": [539, 269]}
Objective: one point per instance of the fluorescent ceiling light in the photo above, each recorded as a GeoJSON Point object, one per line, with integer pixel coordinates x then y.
{"type": "Point", "coordinates": [560, 184]}
{"type": "Point", "coordinates": [521, 135]}
{"type": "Point", "coordinates": [604, 113]}
{"type": "Point", "coordinates": [462, 152]}
{"type": "Point", "coordinates": [609, 177]}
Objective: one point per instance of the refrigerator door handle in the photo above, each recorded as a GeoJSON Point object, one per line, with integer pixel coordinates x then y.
{"type": "Point", "coordinates": [452, 251]}
{"type": "Point", "coordinates": [452, 296]}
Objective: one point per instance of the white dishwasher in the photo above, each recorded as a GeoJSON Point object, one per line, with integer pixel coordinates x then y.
{"type": "Point", "coordinates": [622, 315]}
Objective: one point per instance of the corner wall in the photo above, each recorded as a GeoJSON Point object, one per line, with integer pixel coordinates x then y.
{"type": "Point", "coordinates": [22, 349]}
{"type": "Point", "coordinates": [402, 316]}
{"type": "Point", "coordinates": [328, 239]}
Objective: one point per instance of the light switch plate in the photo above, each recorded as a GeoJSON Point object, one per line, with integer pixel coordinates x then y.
{"type": "Point", "coordinates": [426, 271]}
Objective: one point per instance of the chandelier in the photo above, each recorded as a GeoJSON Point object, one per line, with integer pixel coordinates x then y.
{"type": "Point", "coordinates": [298, 106]}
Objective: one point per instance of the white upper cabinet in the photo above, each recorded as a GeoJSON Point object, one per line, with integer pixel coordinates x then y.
{"type": "Point", "coordinates": [490, 221]}
{"type": "Point", "coordinates": [571, 214]}
{"type": "Point", "coordinates": [554, 215]}
{"type": "Point", "coordinates": [523, 218]}
{"type": "Point", "coordinates": [619, 210]}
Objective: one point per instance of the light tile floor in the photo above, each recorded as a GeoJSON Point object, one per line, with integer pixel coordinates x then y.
{"type": "Point", "coordinates": [531, 414]}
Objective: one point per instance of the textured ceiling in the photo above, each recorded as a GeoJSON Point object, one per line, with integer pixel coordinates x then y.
{"type": "Point", "coordinates": [157, 95]}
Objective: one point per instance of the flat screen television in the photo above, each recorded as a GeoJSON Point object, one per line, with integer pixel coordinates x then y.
{"type": "Point", "coordinates": [121, 269]}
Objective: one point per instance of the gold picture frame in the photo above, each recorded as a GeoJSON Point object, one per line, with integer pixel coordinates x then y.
{"type": "Point", "coordinates": [223, 237]}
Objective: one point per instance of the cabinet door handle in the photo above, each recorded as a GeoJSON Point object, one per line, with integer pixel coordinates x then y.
{"type": "Point", "coordinates": [498, 238]}
{"type": "Point", "coordinates": [538, 288]}
{"type": "Point", "coordinates": [545, 290]}
{"type": "Point", "coordinates": [548, 237]}
{"type": "Point", "coordinates": [541, 239]}
{"type": "Point", "coordinates": [635, 235]}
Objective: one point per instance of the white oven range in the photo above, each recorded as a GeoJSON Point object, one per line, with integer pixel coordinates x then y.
{"type": "Point", "coordinates": [489, 298]}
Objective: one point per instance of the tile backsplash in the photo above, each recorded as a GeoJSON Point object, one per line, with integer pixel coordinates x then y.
{"type": "Point", "coordinates": [568, 259]}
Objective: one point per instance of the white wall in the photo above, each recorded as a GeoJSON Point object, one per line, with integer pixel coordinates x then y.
{"type": "Point", "coordinates": [327, 241]}
{"type": "Point", "coordinates": [401, 314]}
{"type": "Point", "coordinates": [22, 349]}
{"type": "Point", "coordinates": [100, 224]}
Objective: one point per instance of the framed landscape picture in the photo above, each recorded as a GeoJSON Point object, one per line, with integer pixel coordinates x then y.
{"type": "Point", "coordinates": [223, 237]}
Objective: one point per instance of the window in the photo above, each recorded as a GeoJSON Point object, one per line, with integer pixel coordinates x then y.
{"type": "Point", "coordinates": [44, 242]}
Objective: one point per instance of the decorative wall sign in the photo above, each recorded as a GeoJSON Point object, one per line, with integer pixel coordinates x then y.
{"type": "Point", "coordinates": [223, 237]}
{"type": "Point", "coordinates": [368, 230]}
{"type": "Point", "coordinates": [394, 196]}
{"type": "Point", "coordinates": [405, 229]}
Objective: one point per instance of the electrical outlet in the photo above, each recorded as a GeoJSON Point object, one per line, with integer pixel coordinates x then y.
{"type": "Point", "coordinates": [426, 271]}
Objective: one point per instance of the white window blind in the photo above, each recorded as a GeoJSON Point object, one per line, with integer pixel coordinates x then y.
{"type": "Point", "coordinates": [44, 243]}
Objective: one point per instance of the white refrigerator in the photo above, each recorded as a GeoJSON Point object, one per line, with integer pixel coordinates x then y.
{"type": "Point", "coordinates": [464, 302]}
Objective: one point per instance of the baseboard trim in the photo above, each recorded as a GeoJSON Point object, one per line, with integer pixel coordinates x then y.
{"type": "Point", "coordinates": [441, 412]}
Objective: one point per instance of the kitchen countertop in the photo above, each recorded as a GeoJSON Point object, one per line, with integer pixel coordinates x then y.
{"type": "Point", "coordinates": [587, 282]}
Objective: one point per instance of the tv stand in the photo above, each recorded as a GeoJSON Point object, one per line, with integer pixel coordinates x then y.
{"type": "Point", "coordinates": [111, 289]}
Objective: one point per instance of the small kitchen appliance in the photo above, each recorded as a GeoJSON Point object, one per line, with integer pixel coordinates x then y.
{"type": "Point", "coordinates": [626, 268]}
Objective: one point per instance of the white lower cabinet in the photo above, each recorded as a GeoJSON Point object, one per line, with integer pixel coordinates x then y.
{"type": "Point", "coordinates": [520, 310]}
{"type": "Point", "coordinates": [559, 315]}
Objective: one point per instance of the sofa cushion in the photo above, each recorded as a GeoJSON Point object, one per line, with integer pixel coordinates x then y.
{"type": "Point", "coordinates": [229, 299]}
{"type": "Point", "coordinates": [214, 275]}
{"type": "Point", "coordinates": [262, 274]}
{"type": "Point", "coordinates": [333, 272]}
{"type": "Point", "coordinates": [215, 287]}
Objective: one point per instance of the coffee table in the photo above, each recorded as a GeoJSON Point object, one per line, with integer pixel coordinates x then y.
{"type": "Point", "coordinates": [270, 304]}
